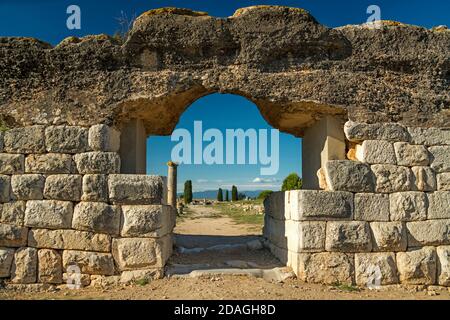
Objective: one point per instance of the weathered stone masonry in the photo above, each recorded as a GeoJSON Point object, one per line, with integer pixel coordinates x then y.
{"type": "Point", "coordinates": [64, 202]}
{"type": "Point", "coordinates": [78, 115]}
{"type": "Point", "coordinates": [388, 207]}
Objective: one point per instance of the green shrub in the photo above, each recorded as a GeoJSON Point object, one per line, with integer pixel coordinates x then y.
{"type": "Point", "coordinates": [264, 194]}
{"type": "Point", "coordinates": [292, 182]}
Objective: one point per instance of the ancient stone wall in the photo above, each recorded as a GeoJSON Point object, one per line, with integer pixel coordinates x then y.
{"type": "Point", "coordinates": [63, 197]}
{"type": "Point", "coordinates": [387, 207]}
{"type": "Point", "coordinates": [64, 203]}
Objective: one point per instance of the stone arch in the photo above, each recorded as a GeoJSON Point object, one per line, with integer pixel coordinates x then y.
{"type": "Point", "coordinates": [64, 104]}
{"type": "Point", "coordinates": [320, 126]}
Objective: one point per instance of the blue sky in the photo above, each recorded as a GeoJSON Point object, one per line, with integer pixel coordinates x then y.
{"type": "Point", "coordinates": [46, 20]}
{"type": "Point", "coordinates": [225, 111]}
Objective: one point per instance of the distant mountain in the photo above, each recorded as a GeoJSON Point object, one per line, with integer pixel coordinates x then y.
{"type": "Point", "coordinates": [212, 194]}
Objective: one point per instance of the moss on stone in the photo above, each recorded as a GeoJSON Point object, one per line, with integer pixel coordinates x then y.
{"type": "Point", "coordinates": [96, 37]}
{"type": "Point", "coordinates": [31, 40]}
{"type": "Point", "coordinates": [240, 11]}
{"type": "Point", "coordinates": [173, 10]}
{"type": "Point", "coordinates": [391, 23]}
{"type": "Point", "coordinates": [3, 126]}
{"type": "Point", "coordinates": [440, 29]}
{"type": "Point", "coordinates": [382, 23]}
{"type": "Point", "coordinates": [69, 40]}
{"type": "Point", "coordinates": [101, 37]}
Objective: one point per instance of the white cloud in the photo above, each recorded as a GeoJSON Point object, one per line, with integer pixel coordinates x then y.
{"type": "Point", "coordinates": [265, 180]}
{"type": "Point", "coordinates": [202, 180]}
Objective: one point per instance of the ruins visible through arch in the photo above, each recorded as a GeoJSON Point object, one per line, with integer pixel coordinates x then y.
{"type": "Point", "coordinates": [208, 234]}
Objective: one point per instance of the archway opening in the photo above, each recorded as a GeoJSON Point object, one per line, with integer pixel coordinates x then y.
{"type": "Point", "coordinates": [242, 167]}
{"type": "Point", "coordinates": [233, 158]}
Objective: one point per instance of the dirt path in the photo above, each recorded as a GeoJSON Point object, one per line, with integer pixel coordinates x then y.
{"type": "Point", "coordinates": [229, 287]}
{"type": "Point", "coordinates": [207, 220]}
{"type": "Point", "coordinates": [205, 227]}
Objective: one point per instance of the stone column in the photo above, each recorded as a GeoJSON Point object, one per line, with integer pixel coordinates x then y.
{"type": "Point", "coordinates": [172, 184]}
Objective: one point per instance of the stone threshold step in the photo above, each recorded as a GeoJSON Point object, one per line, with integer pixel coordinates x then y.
{"type": "Point", "coordinates": [251, 245]}
{"type": "Point", "coordinates": [270, 275]}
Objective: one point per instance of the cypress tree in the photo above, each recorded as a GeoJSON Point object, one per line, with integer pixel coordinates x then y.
{"type": "Point", "coordinates": [234, 193]}
{"type": "Point", "coordinates": [227, 198]}
{"type": "Point", "coordinates": [188, 192]}
{"type": "Point", "coordinates": [220, 195]}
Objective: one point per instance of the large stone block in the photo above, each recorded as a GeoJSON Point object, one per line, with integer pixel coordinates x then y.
{"type": "Point", "coordinates": [97, 162]}
{"type": "Point", "coordinates": [391, 178]}
{"type": "Point", "coordinates": [389, 236]}
{"type": "Point", "coordinates": [49, 163]}
{"type": "Point", "coordinates": [305, 236]}
{"type": "Point", "coordinates": [417, 266]}
{"type": "Point", "coordinates": [439, 205]}
{"type": "Point", "coordinates": [66, 139]}
{"type": "Point", "coordinates": [89, 262]}
{"type": "Point", "coordinates": [25, 140]}
{"type": "Point", "coordinates": [24, 269]}
{"type": "Point", "coordinates": [430, 136]}
{"type": "Point", "coordinates": [13, 236]}
{"type": "Point", "coordinates": [348, 236]}
{"type": "Point", "coordinates": [96, 216]}
{"type": "Point", "coordinates": [375, 269]}
{"type": "Point", "coordinates": [13, 213]}
{"type": "Point", "coordinates": [408, 206]}
{"type": "Point", "coordinates": [141, 253]}
{"type": "Point", "coordinates": [69, 240]}
{"type": "Point", "coordinates": [6, 259]}
{"type": "Point", "coordinates": [281, 254]}
{"type": "Point", "coordinates": [424, 179]}
{"type": "Point", "coordinates": [371, 207]}
{"type": "Point", "coordinates": [443, 181]}
{"type": "Point", "coordinates": [428, 233]}
{"type": "Point", "coordinates": [28, 186]}
{"type": "Point", "coordinates": [411, 155]}
{"type": "Point", "coordinates": [378, 131]}
{"type": "Point", "coordinates": [12, 163]}
{"type": "Point", "coordinates": [147, 220]}
{"type": "Point", "coordinates": [347, 175]}
{"type": "Point", "coordinates": [50, 266]}
{"type": "Point", "coordinates": [5, 188]}
{"type": "Point", "coordinates": [440, 158]}
{"type": "Point", "coordinates": [274, 205]}
{"type": "Point", "coordinates": [50, 214]}
{"type": "Point", "coordinates": [321, 205]}
{"type": "Point", "coordinates": [63, 187]}
{"type": "Point", "coordinates": [95, 188]}
{"type": "Point", "coordinates": [376, 152]}
{"type": "Point", "coordinates": [275, 231]}
{"type": "Point", "coordinates": [323, 268]}
{"type": "Point", "coordinates": [290, 203]}
{"type": "Point", "coordinates": [443, 272]}
{"type": "Point", "coordinates": [136, 189]}
{"type": "Point", "coordinates": [104, 138]}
